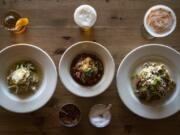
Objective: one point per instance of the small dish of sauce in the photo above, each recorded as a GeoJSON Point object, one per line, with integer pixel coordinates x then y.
{"type": "Point", "coordinates": [69, 115]}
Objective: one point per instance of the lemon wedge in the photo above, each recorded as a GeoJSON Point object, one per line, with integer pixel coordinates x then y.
{"type": "Point", "coordinates": [20, 24]}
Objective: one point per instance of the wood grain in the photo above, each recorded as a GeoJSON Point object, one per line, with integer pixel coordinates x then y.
{"type": "Point", "coordinates": [52, 28]}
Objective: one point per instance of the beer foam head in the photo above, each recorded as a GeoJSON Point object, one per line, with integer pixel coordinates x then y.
{"type": "Point", "coordinates": [85, 16]}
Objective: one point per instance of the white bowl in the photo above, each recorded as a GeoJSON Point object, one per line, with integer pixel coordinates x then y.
{"type": "Point", "coordinates": [152, 52]}
{"type": "Point", "coordinates": [18, 52]}
{"type": "Point", "coordinates": [149, 29]}
{"type": "Point", "coordinates": [86, 47]}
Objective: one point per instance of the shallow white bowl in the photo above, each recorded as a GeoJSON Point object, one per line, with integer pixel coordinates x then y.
{"type": "Point", "coordinates": [150, 30]}
{"type": "Point", "coordinates": [152, 52]}
{"type": "Point", "coordinates": [18, 52]}
{"type": "Point", "coordinates": [86, 47]}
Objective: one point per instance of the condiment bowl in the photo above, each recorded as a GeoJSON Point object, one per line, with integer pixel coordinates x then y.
{"type": "Point", "coordinates": [69, 115]}
{"type": "Point", "coordinates": [150, 31]}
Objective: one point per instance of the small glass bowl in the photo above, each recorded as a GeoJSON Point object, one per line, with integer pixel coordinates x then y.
{"type": "Point", "coordinates": [69, 115]}
{"type": "Point", "coordinates": [102, 120]}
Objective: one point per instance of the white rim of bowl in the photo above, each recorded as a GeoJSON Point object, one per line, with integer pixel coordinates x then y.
{"type": "Point", "coordinates": [156, 34]}
{"type": "Point", "coordinates": [118, 72]}
{"type": "Point", "coordinates": [82, 42]}
{"type": "Point", "coordinates": [54, 66]}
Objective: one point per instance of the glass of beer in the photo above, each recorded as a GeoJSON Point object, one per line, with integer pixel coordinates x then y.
{"type": "Point", "coordinates": [85, 17]}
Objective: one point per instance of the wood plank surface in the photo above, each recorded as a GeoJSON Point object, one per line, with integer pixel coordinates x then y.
{"type": "Point", "coordinates": [52, 28]}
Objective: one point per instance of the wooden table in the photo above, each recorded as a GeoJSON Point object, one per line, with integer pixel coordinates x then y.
{"type": "Point", "coordinates": [52, 28]}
